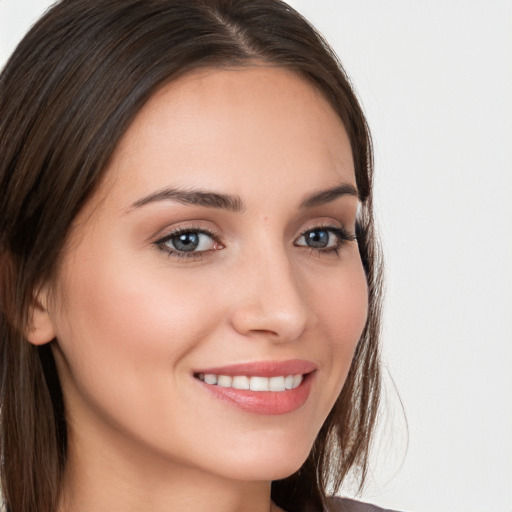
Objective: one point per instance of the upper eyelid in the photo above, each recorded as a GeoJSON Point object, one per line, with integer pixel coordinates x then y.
{"type": "Point", "coordinates": [329, 226]}
{"type": "Point", "coordinates": [186, 229]}
{"type": "Point", "coordinates": [322, 225]}
{"type": "Point", "coordinates": [214, 234]}
{"type": "Point", "coordinates": [326, 224]}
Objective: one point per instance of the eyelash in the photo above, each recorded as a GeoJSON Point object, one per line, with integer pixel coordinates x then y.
{"type": "Point", "coordinates": [161, 242]}
{"type": "Point", "coordinates": [342, 238]}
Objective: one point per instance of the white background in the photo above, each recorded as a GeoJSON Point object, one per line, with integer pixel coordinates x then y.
{"type": "Point", "coordinates": [435, 79]}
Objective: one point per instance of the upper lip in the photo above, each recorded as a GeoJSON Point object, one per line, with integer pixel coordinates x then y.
{"type": "Point", "coordinates": [263, 368]}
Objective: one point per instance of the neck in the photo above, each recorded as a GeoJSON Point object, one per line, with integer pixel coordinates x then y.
{"type": "Point", "coordinates": [105, 478]}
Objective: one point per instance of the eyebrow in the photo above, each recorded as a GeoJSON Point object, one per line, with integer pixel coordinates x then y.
{"type": "Point", "coordinates": [234, 203]}
{"type": "Point", "coordinates": [328, 195]}
{"type": "Point", "coordinates": [193, 197]}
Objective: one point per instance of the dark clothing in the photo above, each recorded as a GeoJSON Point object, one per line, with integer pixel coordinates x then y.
{"type": "Point", "coordinates": [346, 505]}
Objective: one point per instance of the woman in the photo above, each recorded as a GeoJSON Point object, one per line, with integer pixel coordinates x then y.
{"type": "Point", "coordinates": [189, 274]}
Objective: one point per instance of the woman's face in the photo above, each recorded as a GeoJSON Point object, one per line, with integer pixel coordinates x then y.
{"type": "Point", "coordinates": [218, 254]}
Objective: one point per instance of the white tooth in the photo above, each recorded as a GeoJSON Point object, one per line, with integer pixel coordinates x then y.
{"type": "Point", "coordinates": [240, 382]}
{"type": "Point", "coordinates": [259, 383]}
{"type": "Point", "coordinates": [201, 376]}
{"type": "Point", "coordinates": [297, 379]}
{"type": "Point", "coordinates": [224, 381]}
{"type": "Point", "coordinates": [276, 384]}
{"type": "Point", "coordinates": [210, 378]}
{"type": "Point", "coordinates": [288, 382]}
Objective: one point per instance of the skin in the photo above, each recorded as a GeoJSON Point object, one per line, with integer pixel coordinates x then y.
{"type": "Point", "coordinates": [133, 322]}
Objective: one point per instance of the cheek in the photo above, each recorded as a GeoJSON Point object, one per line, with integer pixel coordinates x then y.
{"type": "Point", "coordinates": [124, 320]}
{"type": "Point", "coordinates": [346, 313]}
{"type": "Point", "coordinates": [341, 302]}
{"type": "Point", "coordinates": [124, 339]}
{"type": "Point", "coordinates": [341, 306]}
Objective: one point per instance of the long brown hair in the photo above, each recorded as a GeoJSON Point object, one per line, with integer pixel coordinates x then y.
{"type": "Point", "coordinates": [67, 95]}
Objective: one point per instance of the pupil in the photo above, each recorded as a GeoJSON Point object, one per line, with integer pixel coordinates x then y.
{"type": "Point", "coordinates": [186, 242]}
{"type": "Point", "coordinates": [318, 238]}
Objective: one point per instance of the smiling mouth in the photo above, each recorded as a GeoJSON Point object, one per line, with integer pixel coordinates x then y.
{"type": "Point", "coordinates": [253, 383]}
{"type": "Point", "coordinates": [260, 387]}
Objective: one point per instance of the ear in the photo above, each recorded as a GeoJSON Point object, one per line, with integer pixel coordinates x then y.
{"type": "Point", "coordinates": [40, 329]}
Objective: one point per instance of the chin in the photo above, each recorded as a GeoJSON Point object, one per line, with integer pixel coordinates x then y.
{"type": "Point", "coordinates": [266, 464]}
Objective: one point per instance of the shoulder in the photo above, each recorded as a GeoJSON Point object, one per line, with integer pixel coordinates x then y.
{"type": "Point", "coordinates": [347, 505]}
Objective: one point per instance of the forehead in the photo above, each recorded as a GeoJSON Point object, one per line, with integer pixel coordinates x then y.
{"type": "Point", "coordinates": [254, 126]}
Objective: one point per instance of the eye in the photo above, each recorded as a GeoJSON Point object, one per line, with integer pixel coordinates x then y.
{"type": "Point", "coordinates": [188, 242]}
{"type": "Point", "coordinates": [318, 239]}
{"type": "Point", "coordinates": [324, 239]}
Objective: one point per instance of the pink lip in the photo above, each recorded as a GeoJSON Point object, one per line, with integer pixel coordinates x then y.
{"type": "Point", "coordinates": [264, 402]}
{"type": "Point", "coordinates": [264, 368]}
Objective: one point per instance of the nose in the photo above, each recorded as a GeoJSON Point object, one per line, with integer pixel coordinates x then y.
{"type": "Point", "coordinates": [271, 300]}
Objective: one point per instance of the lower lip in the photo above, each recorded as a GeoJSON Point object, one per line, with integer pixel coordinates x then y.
{"type": "Point", "coordinates": [264, 402]}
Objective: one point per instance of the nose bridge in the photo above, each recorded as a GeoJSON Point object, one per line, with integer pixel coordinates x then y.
{"type": "Point", "coordinates": [272, 300]}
